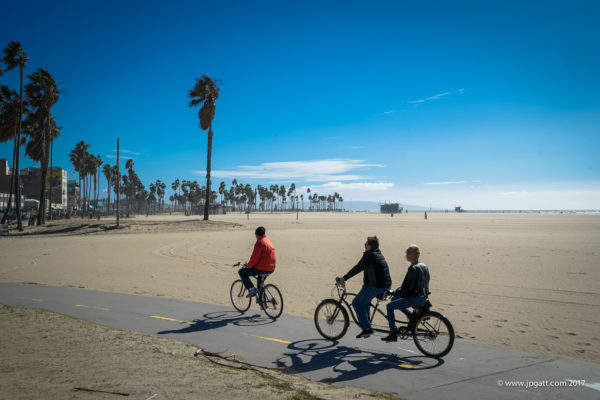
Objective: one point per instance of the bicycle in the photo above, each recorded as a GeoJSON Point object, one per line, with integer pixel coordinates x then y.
{"type": "Point", "coordinates": [431, 331]}
{"type": "Point", "coordinates": [268, 296]}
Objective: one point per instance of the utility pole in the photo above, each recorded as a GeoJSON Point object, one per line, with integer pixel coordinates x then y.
{"type": "Point", "coordinates": [118, 185]}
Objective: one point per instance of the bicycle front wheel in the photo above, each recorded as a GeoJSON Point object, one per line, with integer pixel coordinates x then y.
{"type": "Point", "coordinates": [433, 334]}
{"type": "Point", "coordinates": [331, 319]}
{"type": "Point", "coordinates": [238, 293]}
{"type": "Point", "coordinates": [272, 301]}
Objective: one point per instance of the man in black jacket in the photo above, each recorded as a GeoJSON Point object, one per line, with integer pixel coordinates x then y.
{"type": "Point", "coordinates": [412, 293]}
{"type": "Point", "coordinates": [376, 281]}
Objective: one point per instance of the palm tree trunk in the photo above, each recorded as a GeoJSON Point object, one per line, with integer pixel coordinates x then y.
{"type": "Point", "coordinates": [208, 160]}
{"type": "Point", "coordinates": [12, 184]}
{"type": "Point", "coordinates": [51, 172]}
{"type": "Point", "coordinates": [45, 147]}
{"type": "Point", "coordinates": [18, 141]}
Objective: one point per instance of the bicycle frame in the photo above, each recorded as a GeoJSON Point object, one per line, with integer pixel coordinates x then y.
{"type": "Point", "coordinates": [343, 294]}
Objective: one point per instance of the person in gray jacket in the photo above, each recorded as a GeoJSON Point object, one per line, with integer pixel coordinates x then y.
{"type": "Point", "coordinates": [376, 281]}
{"type": "Point", "coordinates": [412, 293]}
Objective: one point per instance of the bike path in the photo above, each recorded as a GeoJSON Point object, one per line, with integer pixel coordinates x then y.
{"type": "Point", "coordinates": [470, 371]}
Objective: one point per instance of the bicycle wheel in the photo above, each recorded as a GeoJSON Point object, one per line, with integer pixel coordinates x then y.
{"type": "Point", "coordinates": [272, 301]}
{"type": "Point", "coordinates": [433, 334]}
{"type": "Point", "coordinates": [331, 319]}
{"type": "Point", "coordinates": [238, 294]}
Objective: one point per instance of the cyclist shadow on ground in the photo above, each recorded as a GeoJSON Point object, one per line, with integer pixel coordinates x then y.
{"type": "Point", "coordinates": [348, 362]}
{"type": "Point", "coordinates": [220, 319]}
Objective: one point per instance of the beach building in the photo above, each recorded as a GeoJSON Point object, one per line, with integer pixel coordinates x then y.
{"type": "Point", "coordinates": [31, 180]}
{"type": "Point", "coordinates": [73, 190]}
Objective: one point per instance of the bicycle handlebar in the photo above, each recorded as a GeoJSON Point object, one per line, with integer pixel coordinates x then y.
{"type": "Point", "coordinates": [238, 264]}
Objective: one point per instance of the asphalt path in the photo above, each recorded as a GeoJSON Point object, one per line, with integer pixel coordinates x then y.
{"type": "Point", "coordinates": [470, 371]}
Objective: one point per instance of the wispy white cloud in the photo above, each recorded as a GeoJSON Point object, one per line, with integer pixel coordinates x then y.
{"type": "Point", "coordinates": [353, 147]}
{"type": "Point", "coordinates": [123, 151]}
{"type": "Point", "coordinates": [434, 97]}
{"type": "Point", "coordinates": [315, 171]}
{"type": "Point", "coordinates": [418, 102]}
{"type": "Point", "coordinates": [389, 112]}
{"type": "Point", "coordinates": [122, 157]}
{"type": "Point", "coordinates": [363, 186]}
{"type": "Point", "coordinates": [447, 183]}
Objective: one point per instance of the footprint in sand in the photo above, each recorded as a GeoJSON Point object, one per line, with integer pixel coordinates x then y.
{"type": "Point", "coordinates": [571, 333]}
{"type": "Point", "coordinates": [478, 316]}
{"type": "Point", "coordinates": [553, 337]}
{"type": "Point", "coordinates": [498, 325]}
{"type": "Point", "coordinates": [584, 343]}
{"type": "Point", "coordinates": [522, 331]}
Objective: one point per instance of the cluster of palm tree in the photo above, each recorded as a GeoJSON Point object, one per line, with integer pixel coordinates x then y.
{"type": "Point", "coordinates": [189, 195]}
{"type": "Point", "coordinates": [87, 167]}
{"type": "Point", "coordinates": [330, 202]}
{"type": "Point", "coordinates": [130, 189]}
{"type": "Point", "coordinates": [239, 196]}
{"type": "Point", "coordinates": [28, 121]}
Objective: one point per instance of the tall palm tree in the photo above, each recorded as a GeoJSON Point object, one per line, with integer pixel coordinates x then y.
{"type": "Point", "coordinates": [9, 114]}
{"type": "Point", "coordinates": [175, 186]}
{"type": "Point", "coordinates": [127, 183]}
{"type": "Point", "coordinates": [77, 158]}
{"type": "Point", "coordinates": [15, 57]}
{"type": "Point", "coordinates": [36, 146]}
{"type": "Point", "coordinates": [107, 170]}
{"type": "Point", "coordinates": [97, 163]}
{"type": "Point", "coordinates": [206, 92]}
{"type": "Point", "coordinates": [42, 93]}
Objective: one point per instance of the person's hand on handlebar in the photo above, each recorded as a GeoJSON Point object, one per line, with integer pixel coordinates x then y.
{"type": "Point", "coordinates": [340, 281]}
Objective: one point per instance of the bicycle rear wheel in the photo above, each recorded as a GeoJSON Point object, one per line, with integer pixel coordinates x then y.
{"type": "Point", "coordinates": [331, 319]}
{"type": "Point", "coordinates": [238, 293]}
{"type": "Point", "coordinates": [433, 334]}
{"type": "Point", "coordinates": [272, 301]}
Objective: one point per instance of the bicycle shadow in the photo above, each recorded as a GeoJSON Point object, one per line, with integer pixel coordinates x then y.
{"type": "Point", "coordinates": [349, 363]}
{"type": "Point", "coordinates": [220, 319]}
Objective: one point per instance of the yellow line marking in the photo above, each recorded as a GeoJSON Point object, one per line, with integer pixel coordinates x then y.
{"type": "Point", "coordinates": [273, 339]}
{"type": "Point", "coordinates": [172, 319]}
{"type": "Point", "coordinates": [95, 308]}
{"type": "Point", "coordinates": [29, 298]}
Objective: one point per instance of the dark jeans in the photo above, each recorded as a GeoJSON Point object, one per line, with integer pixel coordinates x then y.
{"type": "Point", "coordinates": [246, 273]}
{"type": "Point", "coordinates": [361, 304]}
{"type": "Point", "coordinates": [402, 304]}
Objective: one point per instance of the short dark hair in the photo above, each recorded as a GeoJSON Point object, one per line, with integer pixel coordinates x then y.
{"type": "Point", "coordinates": [373, 242]}
{"type": "Point", "coordinates": [260, 231]}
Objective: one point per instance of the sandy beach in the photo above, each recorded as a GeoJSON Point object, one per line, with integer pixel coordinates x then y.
{"type": "Point", "coordinates": [525, 281]}
{"type": "Point", "coordinates": [51, 356]}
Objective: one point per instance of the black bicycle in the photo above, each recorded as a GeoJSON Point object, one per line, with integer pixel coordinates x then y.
{"type": "Point", "coordinates": [431, 331]}
{"type": "Point", "coordinates": [268, 296]}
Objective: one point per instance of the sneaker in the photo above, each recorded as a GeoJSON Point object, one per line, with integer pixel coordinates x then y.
{"type": "Point", "coordinates": [365, 333]}
{"type": "Point", "coordinates": [390, 338]}
{"type": "Point", "coordinates": [252, 292]}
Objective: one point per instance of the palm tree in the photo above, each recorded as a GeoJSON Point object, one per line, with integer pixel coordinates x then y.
{"type": "Point", "coordinates": [97, 164]}
{"type": "Point", "coordinates": [15, 57]}
{"type": "Point", "coordinates": [42, 93]}
{"type": "Point", "coordinates": [175, 186]}
{"type": "Point", "coordinates": [128, 183]}
{"type": "Point", "coordinates": [222, 188]}
{"type": "Point", "coordinates": [9, 114]}
{"type": "Point", "coordinates": [206, 92]}
{"type": "Point", "coordinates": [77, 157]}
{"type": "Point", "coordinates": [107, 170]}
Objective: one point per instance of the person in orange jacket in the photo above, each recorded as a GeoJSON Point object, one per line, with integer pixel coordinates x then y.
{"type": "Point", "coordinates": [262, 260]}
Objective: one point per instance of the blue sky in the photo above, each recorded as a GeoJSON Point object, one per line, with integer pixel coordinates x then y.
{"type": "Point", "coordinates": [479, 104]}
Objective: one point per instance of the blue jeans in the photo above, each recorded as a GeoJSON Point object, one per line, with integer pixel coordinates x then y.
{"type": "Point", "coordinates": [402, 304]}
{"type": "Point", "coordinates": [246, 273]}
{"type": "Point", "coordinates": [361, 304]}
